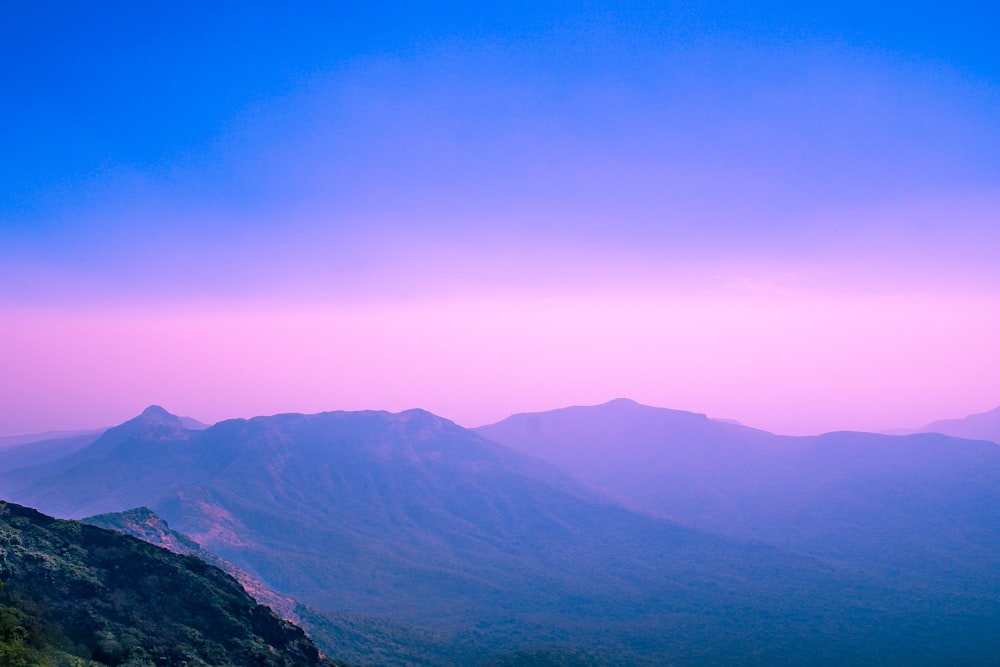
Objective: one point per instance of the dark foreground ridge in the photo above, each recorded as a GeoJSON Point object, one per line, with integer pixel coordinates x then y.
{"type": "Point", "coordinates": [144, 524]}
{"type": "Point", "coordinates": [74, 594]}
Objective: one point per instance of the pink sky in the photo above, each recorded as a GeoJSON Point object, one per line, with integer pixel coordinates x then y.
{"type": "Point", "coordinates": [792, 362]}
{"type": "Point", "coordinates": [782, 221]}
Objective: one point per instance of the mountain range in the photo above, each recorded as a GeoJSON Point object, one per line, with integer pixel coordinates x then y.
{"type": "Point", "coordinates": [920, 508]}
{"type": "Point", "coordinates": [620, 533]}
{"type": "Point", "coordinates": [981, 426]}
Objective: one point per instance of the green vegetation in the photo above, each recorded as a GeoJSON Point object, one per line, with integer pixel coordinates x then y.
{"type": "Point", "coordinates": [14, 647]}
{"type": "Point", "coordinates": [147, 526]}
{"type": "Point", "coordinates": [75, 595]}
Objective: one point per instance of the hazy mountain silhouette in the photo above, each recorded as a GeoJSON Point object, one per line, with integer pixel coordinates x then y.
{"type": "Point", "coordinates": [412, 518]}
{"type": "Point", "coordinates": [915, 508]}
{"type": "Point", "coordinates": [982, 426]}
{"type": "Point", "coordinates": [144, 455]}
{"type": "Point", "coordinates": [29, 453]}
{"type": "Point", "coordinates": [9, 441]}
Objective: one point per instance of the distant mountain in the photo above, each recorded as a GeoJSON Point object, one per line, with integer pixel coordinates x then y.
{"type": "Point", "coordinates": [193, 424]}
{"type": "Point", "coordinates": [39, 452]}
{"type": "Point", "coordinates": [410, 521]}
{"type": "Point", "coordinates": [918, 508]}
{"type": "Point", "coordinates": [75, 594]}
{"type": "Point", "coordinates": [982, 426]}
{"type": "Point", "coordinates": [117, 471]}
{"type": "Point", "coordinates": [7, 441]}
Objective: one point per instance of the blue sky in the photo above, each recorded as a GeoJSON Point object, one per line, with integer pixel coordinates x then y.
{"type": "Point", "coordinates": [252, 155]}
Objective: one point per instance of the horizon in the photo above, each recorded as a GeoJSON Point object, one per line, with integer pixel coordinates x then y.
{"type": "Point", "coordinates": [783, 216]}
{"type": "Point", "coordinates": [908, 430]}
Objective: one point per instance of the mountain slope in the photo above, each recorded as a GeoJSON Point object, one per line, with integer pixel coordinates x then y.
{"type": "Point", "coordinates": [121, 469]}
{"type": "Point", "coordinates": [410, 518]}
{"type": "Point", "coordinates": [913, 507]}
{"type": "Point", "coordinates": [40, 452]}
{"type": "Point", "coordinates": [982, 426]}
{"type": "Point", "coordinates": [76, 591]}
{"type": "Point", "coordinates": [144, 524]}
{"type": "Point", "coordinates": [9, 441]}
{"type": "Point", "coordinates": [363, 639]}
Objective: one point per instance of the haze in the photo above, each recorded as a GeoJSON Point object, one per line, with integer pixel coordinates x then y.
{"type": "Point", "coordinates": [785, 217]}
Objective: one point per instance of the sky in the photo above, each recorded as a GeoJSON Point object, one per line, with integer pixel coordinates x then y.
{"type": "Point", "coordinates": [785, 214]}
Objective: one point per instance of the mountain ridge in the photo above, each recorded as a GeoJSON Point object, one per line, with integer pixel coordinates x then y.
{"type": "Point", "coordinates": [144, 524]}
{"type": "Point", "coordinates": [979, 426]}
{"type": "Point", "coordinates": [411, 518]}
{"type": "Point", "coordinates": [75, 594]}
{"type": "Point", "coordinates": [843, 496]}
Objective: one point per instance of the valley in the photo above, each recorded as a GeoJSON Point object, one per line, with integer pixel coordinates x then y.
{"type": "Point", "coordinates": [617, 534]}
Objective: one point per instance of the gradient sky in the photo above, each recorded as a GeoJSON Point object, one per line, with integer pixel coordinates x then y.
{"type": "Point", "coordinates": [787, 215]}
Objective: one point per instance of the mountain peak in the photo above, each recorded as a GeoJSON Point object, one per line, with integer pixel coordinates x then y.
{"type": "Point", "coordinates": [622, 401]}
{"type": "Point", "coordinates": [155, 414]}
{"type": "Point", "coordinates": [632, 406]}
